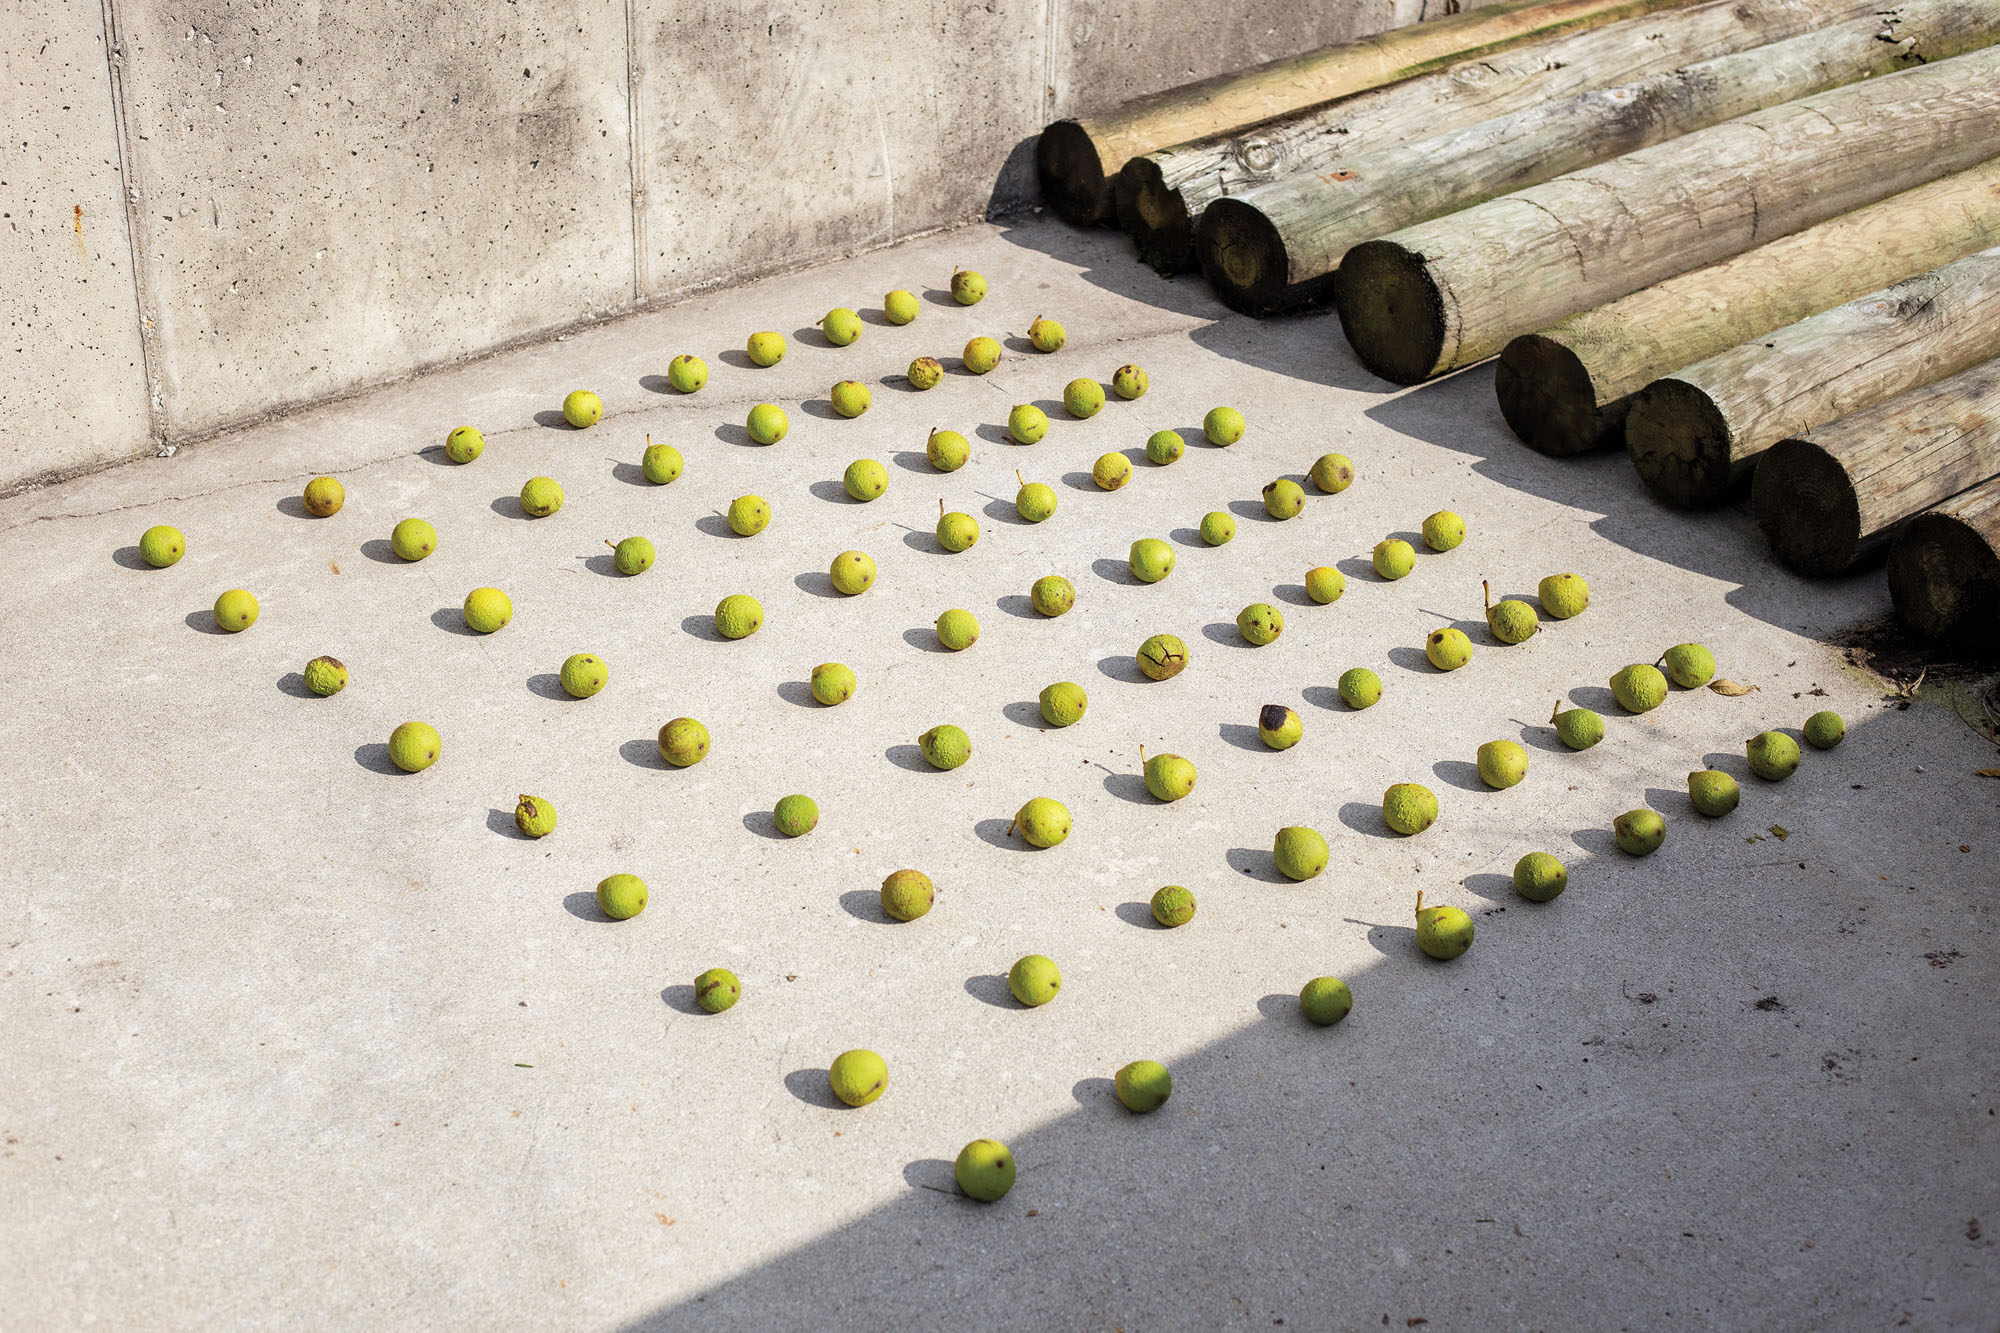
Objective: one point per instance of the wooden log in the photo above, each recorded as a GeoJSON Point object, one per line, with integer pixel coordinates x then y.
{"type": "Point", "coordinates": [1944, 571]}
{"type": "Point", "coordinates": [1830, 496]}
{"type": "Point", "coordinates": [1161, 196]}
{"type": "Point", "coordinates": [1695, 434]}
{"type": "Point", "coordinates": [1455, 290]}
{"type": "Point", "coordinates": [1078, 159]}
{"type": "Point", "coordinates": [1278, 245]}
{"type": "Point", "coordinates": [1566, 389]}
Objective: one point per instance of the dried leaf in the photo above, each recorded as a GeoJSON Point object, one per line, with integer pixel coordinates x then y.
{"type": "Point", "coordinates": [1730, 688]}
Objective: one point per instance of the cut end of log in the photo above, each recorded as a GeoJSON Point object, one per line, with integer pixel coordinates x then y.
{"type": "Point", "coordinates": [1391, 311]}
{"type": "Point", "coordinates": [1072, 174]}
{"type": "Point", "coordinates": [1807, 508]}
{"type": "Point", "coordinates": [1243, 256]}
{"type": "Point", "coordinates": [1548, 398]}
{"type": "Point", "coordinates": [1944, 578]}
{"type": "Point", "coordinates": [1155, 216]}
{"type": "Point", "coordinates": [1680, 444]}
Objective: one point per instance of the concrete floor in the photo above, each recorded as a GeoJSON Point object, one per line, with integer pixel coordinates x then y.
{"type": "Point", "coordinates": [294, 1039]}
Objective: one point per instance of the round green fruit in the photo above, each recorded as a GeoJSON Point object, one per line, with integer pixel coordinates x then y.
{"type": "Point", "coordinates": [415, 746]}
{"type": "Point", "coordinates": [1324, 1001]}
{"type": "Point", "coordinates": [621, 897]}
{"type": "Point", "coordinates": [161, 546]}
{"type": "Point", "coordinates": [1034, 980]}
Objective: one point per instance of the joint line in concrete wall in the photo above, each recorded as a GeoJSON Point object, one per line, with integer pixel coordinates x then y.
{"type": "Point", "coordinates": [128, 180]}
{"type": "Point", "coordinates": [636, 146]}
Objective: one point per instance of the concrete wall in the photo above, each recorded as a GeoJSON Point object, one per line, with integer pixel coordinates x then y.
{"type": "Point", "coordinates": [220, 209]}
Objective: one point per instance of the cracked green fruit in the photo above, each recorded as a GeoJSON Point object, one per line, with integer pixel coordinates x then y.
{"type": "Point", "coordinates": [767, 423]}
{"type": "Point", "coordinates": [464, 444]}
{"type": "Point", "coordinates": [326, 676]}
{"type": "Point", "coordinates": [584, 674]}
{"type": "Point", "coordinates": [900, 307]}
{"type": "Point", "coordinates": [631, 555]}
{"type": "Point", "coordinates": [1639, 688]}
{"type": "Point", "coordinates": [738, 616]}
{"type": "Point", "coordinates": [1043, 821]}
{"type": "Point", "coordinates": [1083, 398]}
{"type": "Point", "coordinates": [1165, 446]}
{"type": "Point", "coordinates": [832, 683]}
{"type": "Point", "coordinates": [1443, 530]}
{"type": "Point", "coordinates": [1773, 755]}
{"type": "Point", "coordinates": [686, 374]}
{"type": "Point", "coordinates": [907, 895]}
{"type": "Point", "coordinates": [161, 546]}
{"type": "Point", "coordinates": [1333, 473]}
{"type": "Point", "coordinates": [1578, 728]}
{"type": "Point", "coordinates": [1512, 621]}
{"type": "Point", "coordinates": [749, 515]}
{"type": "Point", "coordinates": [947, 450]}
{"type": "Point", "coordinates": [1034, 979]}
{"type": "Point", "coordinates": [415, 746]}
{"type": "Point", "coordinates": [858, 1077]}
{"type": "Point", "coordinates": [956, 531]}
{"type": "Point", "coordinates": [1130, 382]}
{"type": "Point", "coordinates": [840, 325]}
{"type": "Point", "coordinates": [1144, 1086]}
{"type": "Point", "coordinates": [1111, 471]}
{"type": "Point", "coordinates": [865, 480]}
{"type": "Point", "coordinates": [621, 897]}
{"type": "Point", "coordinates": [582, 409]}
{"type": "Point", "coordinates": [1300, 852]}
{"type": "Point", "coordinates": [1502, 764]}
{"type": "Point", "coordinates": [1168, 776]}
{"type": "Point", "coordinates": [324, 496]}
{"type": "Point", "coordinates": [683, 742]}
{"type": "Point", "coordinates": [1563, 595]}
{"type": "Point", "coordinates": [1825, 729]}
{"type": "Point", "coordinates": [945, 747]}
{"type": "Point", "coordinates": [1052, 595]}
{"type": "Point", "coordinates": [1359, 687]}
{"type": "Point", "coordinates": [958, 629]}
{"type": "Point", "coordinates": [1539, 877]}
{"type": "Point", "coordinates": [1442, 932]}
{"type": "Point", "coordinates": [1217, 528]}
{"type": "Point", "coordinates": [1260, 623]}
{"type": "Point", "coordinates": [1162, 657]}
{"type": "Point", "coordinates": [1713, 793]}
{"type": "Point", "coordinates": [717, 989]}
{"type": "Point", "coordinates": [1325, 584]}
{"type": "Point", "coordinates": [235, 611]}
{"type": "Point", "coordinates": [1223, 425]}
{"type": "Point", "coordinates": [1448, 649]}
{"type": "Point", "coordinates": [1172, 906]}
{"type": "Point", "coordinates": [1279, 727]}
{"type": "Point", "coordinates": [850, 398]}
{"type": "Point", "coordinates": [541, 496]}
{"type": "Point", "coordinates": [926, 372]}
{"type": "Point", "coordinates": [981, 355]}
{"type": "Point", "coordinates": [1409, 808]}
{"type": "Point", "coordinates": [1027, 423]}
{"type": "Point", "coordinates": [1045, 335]}
{"type": "Point", "coordinates": [967, 287]}
{"type": "Point", "coordinates": [796, 815]}
{"type": "Point", "coordinates": [1324, 1001]}
{"type": "Point", "coordinates": [662, 463]}
{"type": "Point", "coordinates": [852, 572]}
{"type": "Point", "coordinates": [766, 349]}
{"type": "Point", "coordinates": [1394, 558]}
{"type": "Point", "coordinates": [1063, 703]}
{"type": "Point", "coordinates": [1639, 832]}
{"type": "Point", "coordinates": [487, 610]}
{"type": "Point", "coordinates": [535, 817]}
{"type": "Point", "coordinates": [1689, 665]}
{"type": "Point", "coordinates": [1151, 559]}
{"type": "Point", "coordinates": [984, 1170]}
{"type": "Point", "coordinates": [1284, 499]}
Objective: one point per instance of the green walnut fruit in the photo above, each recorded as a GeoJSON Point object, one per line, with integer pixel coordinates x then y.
{"type": "Point", "coordinates": [984, 1170]}
{"type": "Point", "coordinates": [1217, 528]}
{"type": "Point", "coordinates": [326, 676]}
{"type": "Point", "coordinates": [1539, 877]}
{"type": "Point", "coordinates": [1639, 688]}
{"type": "Point", "coordinates": [1223, 425]}
{"type": "Point", "coordinates": [1409, 808]}
{"type": "Point", "coordinates": [1260, 623]}
{"type": "Point", "coordinates": [1027, 423]}
{"type": "Point", "coordinates": [1502, 764]}
{"type": "Point", "coordinates": [415, 746]}
{"type": "Point", "coordinates": [967, 287]}
{"type": "Point", "coordinates": [487, 610]}
{"type": "Point", "coordinates": [1325, 584]}
{"type": "Point", "coordinates": [926, 372]}
{"type": "Point", "coordinates": [851, 398]}
{"type": "Point", "coordinates": [1168, 776]}
{"type": "Point", "coordinates": [1164, 447]}
{"type": "Point", "coordinates": [1279, 727]}
{"type": "Point", "coordinates": [957, 629]}
{"type": "Point", "coordinates": [1773, 755]}
{"type": "Point", "coordinates": [1394, 558]}
{"type": "Point", "coordinates": [767, 423]}
{"type": "Point", "coordinates": [717, 989]}
{"type": "Point", "coordinates": [832, 683]}
{"type": "Point", "coordinates": [1034, 980]}
{"type": "Point", "coordinates": [738, 616]}
{"type": "Point", "coordinates": [683, 742]}
{"type": "Point", "coordinates": [1324, 1001]}
{"type": "Point", "coordinates": [900, 307]}
{"type": "Point", "coordinates": [1639, 832]}
{"type": "Point", "coordinates": [686, 374]}
{"type": "Point", "coordinates": [1045, 335]}
{"type": "Point", "coordinates": [1172, 905]}
{"type": "Point", "coordinates": [865, 480]}
{"type": "Point", "coordinates": [662, 463]}
{"type": "Point", "coordinates": [1144, 1086]}
{"type": "Point", "coordinates": [621, 897]}
{"type": "Point", "coordinates": [1043, 821]}
{"type": "Point", "coordinates": [1083, 398]}
{"type": "Point", "coordinates": [161, 546]}
{"type": "Point", "coordinates": [852, 572]}
{"type": "Point", "coordinates": [1443, 530]}
{"type": "Point", "coordinates": [766, 349]}
{"type": "Point", "coordinates": [749, 515]}
{"type": "Point", "coordinates": [981, 355]}
{"type": "Point", "coordinates": [1300, 852]}
{"type": "Point", "coordinates": [1130, 382]}
{"type": "Point", "coordinates": [1063, 703]}
{"type": "Point", "coordinates": [1151, 559]}
{"type": "Point", "coordinates": [945, 747]}
{"type": "Point", "coordinates": [1825, 729]}
{"type": "Point", "coordinates": [584, 674]}
{"type": "Point", "coordinates": [582, 409]}
{"type": "Point", "coordinates": [464, 444]}
{"type": "Point", "coordinates": [1448, 649]}
{"type": "Point", "coordinates": [858, 1077]}
{"type": "Point", "coordinates": [235, 611]}
{"type": "Point", "coordinates": [956, 531]}
{"type": "Point", "coordinates": [796, 815]}
{"type": "Point", "coordinates": [535, 817]}
{"type": "Point", "coordinates": [1512, 621]}
{"type": "Point", "coordinates": [1713, 793]}
{"type": "Point", "coordinates": [1162, 657]}
{"type": "Point", "coordinates": [1359, 687]}
{"type": "Point", "coordinates": [1442, 932]}
{"type": "Point", "coordinates": [947, 450]}
{"type": "Point", "coordinates": [1563, 595]}
{"type": "Point", "coordinates": [840, 325]}
{"type": "Point", "coordinates": [1689, 665]}
{"type": "Point", "coordinates": [541, 496]}
{"type": "Point", "coordinates": [1052, 595]}
{"type": "Point", "coordinates": [1333, 473]}
{"type": "Point", "coordinates": [1577, 728]}
{"type": "Point", "coordinates": [1111, 471]}
{"type": "Point", "coordinates": [1284, 499]}
{"type": "Point", "coordinates": [907, 895]}
{"type": "Point", "coordinates": [631, 556]}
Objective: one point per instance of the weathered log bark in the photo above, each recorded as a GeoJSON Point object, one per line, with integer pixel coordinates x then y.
{"type": "Point", "coordinates": [1455, 290]}
{"type": "Point", "coordinates": [1944, 571]}
{"type": "Point", "coordinates": [1567, 389]}
{"type": "Point", "coordinates": [1277, 245]}
{"type": "Point", "coordinates": [1826, 498]}
{"type": "Point", "coordinates": [1694, 434]}
{"type": "Point", "coordinates": [1078, 159]}
{"type": "Point", "coordinates": [1162, 195]}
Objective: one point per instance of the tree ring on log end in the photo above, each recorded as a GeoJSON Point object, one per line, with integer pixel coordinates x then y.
{"type": "Point", "coordinates": [1391, 311]}
{"type": "Point", "coordinates": [1072, 174]}
{"type": "Point", "coordinates": [1243, 257]}
{"type": "Point", "coordinates": [1807, 508]}
{"type": "Point", "coordinates": [1680, 444]}
{"type": "Point", "coordinates": [1548, 398]}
